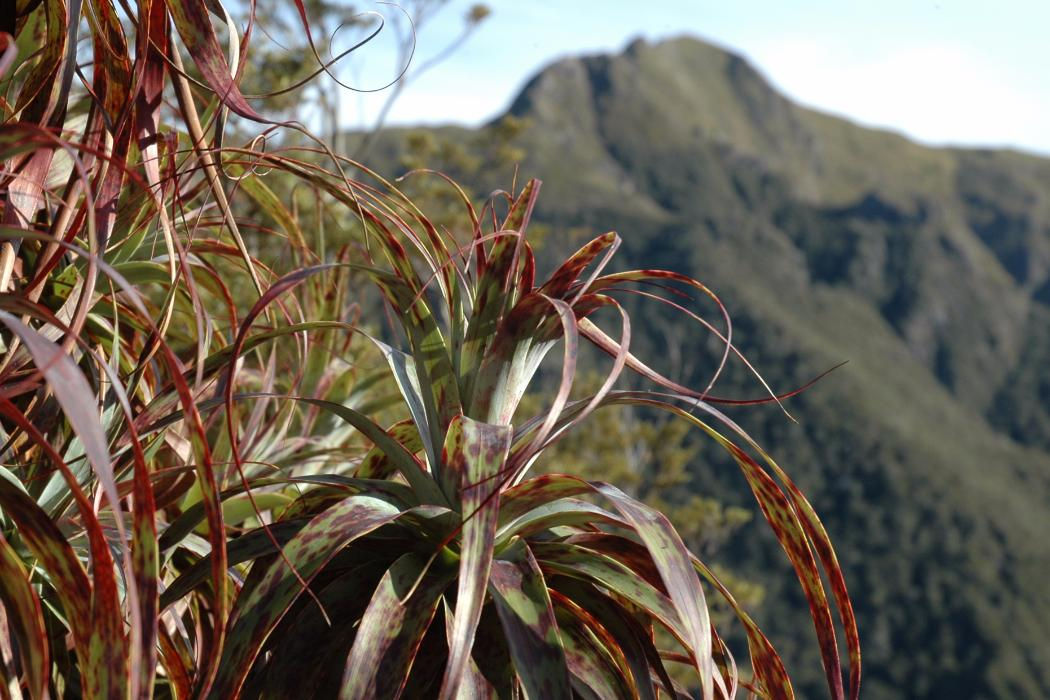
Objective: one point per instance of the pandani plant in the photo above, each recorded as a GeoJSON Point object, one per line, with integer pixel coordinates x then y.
{"type": "Point", "coordinates": [220, 480]}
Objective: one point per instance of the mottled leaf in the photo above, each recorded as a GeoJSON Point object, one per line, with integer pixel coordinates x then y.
{"type": "Point", "coordinates": [594, 674]}
{"type": "Point", "coordinates": [261, 608]}
{"type": "Point", "coordinates": [392, 628]}
{"type": "Point", "coordinates": [673, 561]}
{"type": "Point", "coordinates": [25, 620]}
{"type": "Point", "coordinates": [476, 452]}
{"type": "Point", "coordinates": [520, 595]}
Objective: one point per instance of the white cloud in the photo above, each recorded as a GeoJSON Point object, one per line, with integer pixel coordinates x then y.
{"type": "Point", "coordinates": [938, 92]}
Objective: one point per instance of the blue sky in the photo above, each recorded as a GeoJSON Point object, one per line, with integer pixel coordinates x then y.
{"type": "Point", "coordinates": [941, 71]}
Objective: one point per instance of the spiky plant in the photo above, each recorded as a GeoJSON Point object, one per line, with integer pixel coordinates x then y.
{"type": "Point", "coordinates": [211, 487]}
{"type": "Point", "coordinates": [564, 592]}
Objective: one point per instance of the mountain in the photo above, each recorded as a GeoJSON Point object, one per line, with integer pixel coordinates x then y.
{"type": "Point", "coordinates": [927, 269]}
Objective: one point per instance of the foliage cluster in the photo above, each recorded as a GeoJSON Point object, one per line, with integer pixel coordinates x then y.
{"type": "Point", "coordinates": [203, 495]}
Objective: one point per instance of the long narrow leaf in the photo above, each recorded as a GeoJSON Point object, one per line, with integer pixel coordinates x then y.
{"type": "Point", "coordinates": [476, 452]}
{"type": "Point", "coordinates": [391, 629]}
{"type": "Point", "coordinates": [263, 606]}
{"type": "Point", "coordinates": [520, 595]}
{"type": "Point", "coordinates": [25, 619]}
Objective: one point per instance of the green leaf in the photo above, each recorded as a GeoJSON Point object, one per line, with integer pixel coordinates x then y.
{"type": "Point", "coordinates": [488, 307]}
{"type": "Point", "coordinates": [392, 629]}
{"type": "Point", "coordinates": [595, 674]}
{"type": "Point", "coordinates": [255, 615]}
{"type": "Point", "coordinates": [55, 557]}
{"type": "Point", "coordinates": [102, 642]}
{"type": "Point", "coordinates": [376, 464]}
{"type": "Point", "coordinates": [423, 484]}
{"type": "Point", "coordinates": [272, 205]}
{"type": "Point", "coordinates": [520, 595]}
{"type": "Point", "coordinates": [560, 513]}
{"type": "Point", "coordinates": [673, 561]}
{"type": "Point", "coordinates": [521, 499]}
{"type": "Point", "coordinates": [25, 619]}
{"type": "Point", "coordinates": [404, 369]}
{"type": "Point", "coordinates": [570, 560]}
{"type": "Point", "coordinates": [240, 508]}
{"type": "Point", "coordinates": [248, 546]}
{"type": "Point", "coordinates": [476, 452]}
{"type": "Point", "coordinates": [523, 339]}
{"type": "Point", "coordinates": [78, 401]}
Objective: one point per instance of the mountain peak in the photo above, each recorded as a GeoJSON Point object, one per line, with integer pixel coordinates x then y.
{"type": "Point", "coordinates": [693, 64]}
{"type": "Point", "coordinates": [682, 95]}
{"type": "Point", "coordinates": [687, 95]}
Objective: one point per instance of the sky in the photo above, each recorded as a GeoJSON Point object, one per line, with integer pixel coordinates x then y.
{"type": "Point", "coordinates": [956, 72]}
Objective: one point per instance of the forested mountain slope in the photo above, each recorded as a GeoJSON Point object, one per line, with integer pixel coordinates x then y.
{"type": "Point", "coordinates": [928, 269]}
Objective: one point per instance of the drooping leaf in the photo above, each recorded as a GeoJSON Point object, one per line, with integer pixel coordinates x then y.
{"type": "Point", "coordinates": [191, 20]}
{"type": "Point", "coordinates": [55, 556]}
{"type": "Point", "coordinates": [523, 498]}
{"type": "Point", "coordinates": [563, 512]}
{"type": "Point", "coordinates": [100, 639]}
{"type": "Point", "coordinates": [673, 561]}
{"type": "Point", "coordinates": [568, 560]}
{"type": "Point", "coordinates": [245, 548]}
{"type": "Point", "coordinates": [636, 645]}
{"type": "Point", "coordinates": [77, 400]}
